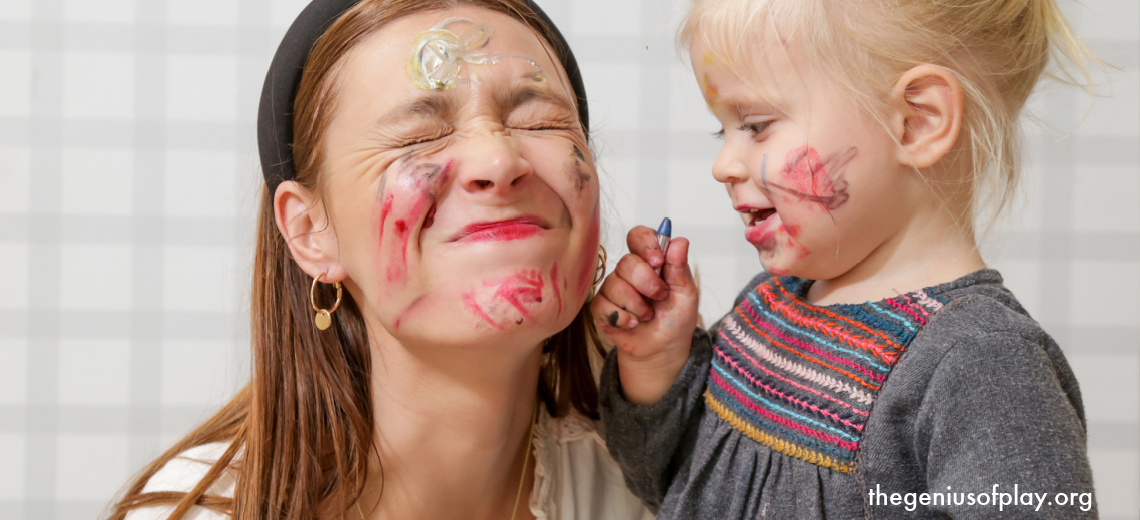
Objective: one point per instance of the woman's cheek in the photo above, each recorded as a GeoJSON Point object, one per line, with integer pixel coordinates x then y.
{"type": "Point", "coordinates": [588, 259]}
{"type": "Point", "coordinates": [502, 302]}
{"type": "Point", "coordinates": [410, 201]}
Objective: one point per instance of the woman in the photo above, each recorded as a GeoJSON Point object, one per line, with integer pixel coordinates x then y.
{"type": "Point", "coordinates": [432, 206]}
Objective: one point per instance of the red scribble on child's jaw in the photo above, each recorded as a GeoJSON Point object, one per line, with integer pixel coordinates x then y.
{"type": "Point", "coordinates": [807, 177]}
{"type": "Point", "coordinates": [423, 182]}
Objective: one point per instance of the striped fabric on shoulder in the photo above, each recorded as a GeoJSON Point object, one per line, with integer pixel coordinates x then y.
{"type": "Point", "coordinates": [801, 379]}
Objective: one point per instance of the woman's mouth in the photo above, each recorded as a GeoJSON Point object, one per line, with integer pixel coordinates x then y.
{"type": "Point", "coordinates": [502, 230]}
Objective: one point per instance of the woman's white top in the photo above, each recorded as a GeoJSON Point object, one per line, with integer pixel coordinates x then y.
{"type": "Point", "coordinates": [574, 476]}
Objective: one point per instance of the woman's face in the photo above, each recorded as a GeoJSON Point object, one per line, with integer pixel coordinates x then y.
{"type": "Point", "coordinates": [457, 179]}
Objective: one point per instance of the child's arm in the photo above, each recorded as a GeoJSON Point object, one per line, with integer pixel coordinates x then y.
{"type": "Point", "coordinates": [649, 318]}
{"type": "Point", "coordinates": [1000, 411]}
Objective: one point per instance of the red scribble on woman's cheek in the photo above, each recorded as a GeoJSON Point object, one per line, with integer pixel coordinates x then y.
{"type": "Point", "coordinates": [554, 285]}
{"type": "Point", "coordinates": [589, 259]}
{"type": "Point", "coordinates": [384, 211]}
{"type": "Point", "coordinates": [422, 182]}
{"type": "Point", "coordinates": [473, 306]}
{"type": "Point", "coordinates": [407, 310]}
{"type": "Point", "coordinates": [525, 287]}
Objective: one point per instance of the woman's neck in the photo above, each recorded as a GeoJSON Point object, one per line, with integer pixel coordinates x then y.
{"type": "Point", "coordinates": [451, 425]}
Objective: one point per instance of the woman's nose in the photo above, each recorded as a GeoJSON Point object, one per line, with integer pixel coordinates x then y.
{"type": "Point", "coordinates": [495, 164]}
{"type": "Point", "coordinates": [729, 166]}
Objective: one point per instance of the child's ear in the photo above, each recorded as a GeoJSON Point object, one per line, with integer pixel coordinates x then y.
{"type": "Point", "coordinates": [929, 103]}
{"type": "Point", "coordinates": [302, 220]}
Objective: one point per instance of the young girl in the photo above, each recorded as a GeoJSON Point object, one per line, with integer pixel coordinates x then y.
{"type": "Point", "coordinates": [877, 368]}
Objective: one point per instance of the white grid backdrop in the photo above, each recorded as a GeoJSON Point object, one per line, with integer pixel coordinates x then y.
{"type": "Point", "coordinates": [129, 180]}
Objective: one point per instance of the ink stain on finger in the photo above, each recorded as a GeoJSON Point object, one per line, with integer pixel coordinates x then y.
{"type": "Point", "coordinates": [612, 318]}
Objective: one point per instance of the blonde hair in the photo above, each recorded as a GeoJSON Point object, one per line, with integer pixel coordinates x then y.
{"type": "Point", "coordinates": [998, 49]}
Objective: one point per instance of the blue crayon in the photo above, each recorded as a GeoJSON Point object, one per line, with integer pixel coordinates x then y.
{"type": "Point", "coordinates": [664, 232]}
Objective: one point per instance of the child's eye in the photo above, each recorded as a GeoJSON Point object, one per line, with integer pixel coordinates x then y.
{"type": "Point", "coordinates": [754, 129]}
{"type": "Point", "coordinates": [719, 134]}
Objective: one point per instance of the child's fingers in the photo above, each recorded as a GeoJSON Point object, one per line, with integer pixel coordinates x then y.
{"type": "Point", "coordinates": [627, 297]}
{"type": "Point", "coordinates": [641, 276]}
{"type": "Point", "coordinates": [608, 314]}
{"type": "Point", "coordinates": [642, 241]}
{"type": "Point", "coordinates": [676, 272]}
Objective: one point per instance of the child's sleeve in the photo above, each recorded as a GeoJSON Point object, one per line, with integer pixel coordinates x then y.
{"type": "Point", "coordinates": [1003, 409]}
{"type": "Point", "coordinates": [652, 443]}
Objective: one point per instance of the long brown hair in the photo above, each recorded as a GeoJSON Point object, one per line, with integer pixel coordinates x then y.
{"type": "Point", "coordinates": [300, 432]}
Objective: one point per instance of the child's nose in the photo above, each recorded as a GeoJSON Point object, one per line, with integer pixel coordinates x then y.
{"type": "Point", "coordinates": [729, 167]}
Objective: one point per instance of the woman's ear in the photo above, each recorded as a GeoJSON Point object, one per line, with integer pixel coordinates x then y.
{"type": "Point", "coordinates": [929, 103]}
{"type": "Point", "coordinates": [303, 221]}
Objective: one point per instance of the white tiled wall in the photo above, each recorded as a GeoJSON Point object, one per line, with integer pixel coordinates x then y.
{"type": "Point", "coordinates": [129, 179]}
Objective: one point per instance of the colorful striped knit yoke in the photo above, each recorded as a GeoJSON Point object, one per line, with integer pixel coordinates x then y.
{"type": "Point", "coordinates": [801, 379]}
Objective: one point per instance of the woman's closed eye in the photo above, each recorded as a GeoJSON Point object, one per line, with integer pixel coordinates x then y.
{"type": "Point", "coordinates": [406, 139]}
{"type": "Point", "coordinates": [537, 116]}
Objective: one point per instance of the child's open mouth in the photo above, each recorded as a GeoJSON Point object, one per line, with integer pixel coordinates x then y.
{"type": "Point", "coordinates": [758, 216]}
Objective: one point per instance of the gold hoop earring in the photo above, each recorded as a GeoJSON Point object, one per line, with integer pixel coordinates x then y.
{"type": "Point", "coordinates": [600, 270]}
{"type": "Point", "coordinates": [324, 317]}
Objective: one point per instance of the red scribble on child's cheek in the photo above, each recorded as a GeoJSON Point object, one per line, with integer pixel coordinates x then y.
{"type": "Point", "coordinates": [554, 285]}
{"type": "Point", "coordinates": [804, 172]}
{"type": "Point", "coordinates": [806, 177]}
{"type": "Point", "coordinates": [790, 245]}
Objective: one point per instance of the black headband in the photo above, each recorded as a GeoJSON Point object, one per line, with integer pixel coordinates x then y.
{"type": "Point", "coordinates": [275, 112]}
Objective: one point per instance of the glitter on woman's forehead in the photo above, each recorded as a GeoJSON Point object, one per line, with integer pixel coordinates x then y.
{"type": "Point", "coordinates": [435, 59]}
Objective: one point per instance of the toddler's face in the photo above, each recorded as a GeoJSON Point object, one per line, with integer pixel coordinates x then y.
{"type": "Point", "coordinates": [809, 173]}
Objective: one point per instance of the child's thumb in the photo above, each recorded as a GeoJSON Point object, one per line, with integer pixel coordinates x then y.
{"type": "Point", "coordinates": [676, 272]}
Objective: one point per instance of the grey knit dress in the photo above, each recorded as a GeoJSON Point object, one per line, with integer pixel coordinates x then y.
{"type": "Point", "coordinates": [931, 404]}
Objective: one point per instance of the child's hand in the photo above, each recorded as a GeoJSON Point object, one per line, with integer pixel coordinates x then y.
{"type": "Point", "coordinates": [649, 318]}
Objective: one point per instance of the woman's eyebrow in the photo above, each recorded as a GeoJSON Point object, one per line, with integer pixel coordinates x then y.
{"type": "Point", "coordinates": [439, 106]}
{"type": "Point", "coordinates": [519, 95]}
